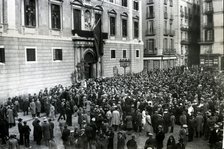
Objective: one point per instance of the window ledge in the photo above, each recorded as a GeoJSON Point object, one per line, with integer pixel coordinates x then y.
{"type": "Point", "coordinates": [55, 32]}
{"type": "Point", "coordinates": [1, 63]}
{"type": "Point", "coordinates": [124, 38]}
{"type": "Point", "coordinates": [29, 30]}
{"type": "Point", "coordinates": [57, 61]}
{"type": "Point", "coordinates": [112, 37]}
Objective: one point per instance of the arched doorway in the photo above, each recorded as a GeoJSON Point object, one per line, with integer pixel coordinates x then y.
{"type": "Point", "coordinates": [90, 60]}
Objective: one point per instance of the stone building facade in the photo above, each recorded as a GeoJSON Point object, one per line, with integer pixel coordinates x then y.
{"type": "Point", "coordinates": [43, 42]}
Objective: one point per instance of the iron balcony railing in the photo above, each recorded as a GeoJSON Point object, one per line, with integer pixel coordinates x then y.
{"type": "Point", "coordinates": [150, 32]}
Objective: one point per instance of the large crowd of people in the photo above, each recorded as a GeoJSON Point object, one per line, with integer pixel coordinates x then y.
{"type": "Point", "coordinates": [148, 102]}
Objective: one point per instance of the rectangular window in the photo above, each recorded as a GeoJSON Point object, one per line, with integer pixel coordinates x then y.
{"type": "Point", "coordinates": [55, 16]}
{"type": "Point", "coordinates": [124, 53]}
{"type": "Point", "coordinates": [77, 19]}
{"type": "Point", "coordinates": [137, 53]}
{"type": "Point", "coordinates": [113, 54]}
{"type": "Point", "coordinates": [150, 28]}
{"type": "Point", "coordinates": [124, 3]}
{"type": "Point", "coordinates": [171, 3]}
{"type": "Point", "coordinates": [150, 12]}
{"type": "Point", "coordinates": [124, 28]}
{"type": "Point", "coordinates": [30, 54]}
{"type": "Point", "coordinates": [112, 26]}
{"type": "Point", "coordinates": [135, 29]}
{"type": "Point", "coordinates": [57, 55]}
{"type": "Point", "coordinates": [2, 55]}
{"type": "Point", "coordinates": [30, 13]}
{"type": "Point", "coordinates": [135, 5]}
{"type": "Point", "coordinates": [150, 46]}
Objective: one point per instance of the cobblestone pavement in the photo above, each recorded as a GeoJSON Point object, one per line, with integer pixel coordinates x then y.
{"type": "Point", "coordinates": [141, 138]}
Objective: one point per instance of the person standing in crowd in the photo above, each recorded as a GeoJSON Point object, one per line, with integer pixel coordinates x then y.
{"type": "Point", "coordinates": [180, 144]}
{"type": "Point", "coordinates": [25, 106]}
{"type": "Point", "coordinates": [20, 128]}
{"type": "Point", "coordinates": [4, 130]}
{"type": "Point", "coordinates": [65, 137]}
{"type": "Point", "coordinates": [33, 108]}
{"type": "Point", "coordinates": [115, 118]}
{"type": "Point", "coordinates": [172, 122]}
{"type": "Point", "coordinates": [38, 134]}
{"type": "Point", "coordinates": [183, 119]}
{"type": "Point", "coordinates": [51, 128]}
{"type": "Point", "coordinates": [132, 144]}
{"type": "Point", "coordinates": [62, 110]}
{"type": "Point", "coordinates": [121, 140]}
{"type": "Point", "coordinates": [52, 112]}
{"type": "Point", "coordinates": [26, 131]}
{"type": "Point", "coordinates": [148, 124]}
{"type": "Point", "coordinates": [129, 124]}
{"type": "Point", "coordinates": [62, 123]}
{"type": "Point", "coordinates": [11, 118]}
{"type": "Point", "coordinates": [38, 107]}
{"type": "Point", "coordinates": [34, 128]}
{"type": "Point", "coordinates": [191, 127]}
{"type": "Point", "coordinates": [183, 134]}
{"type": "Point", "coordinates": [160, 137]}
{"type": "Point", "coordinates": [13, 142]}
{"type": "Point", "coordinates": [150, 142]}
{"type": "Point", "coordinates": [214, 137]}
{"type": "Point", "coordinates": [46, 131]}
{"type": "Point", "coordinates": [199, 125]}
{"type": "Point", "coordinates": [171, 143]}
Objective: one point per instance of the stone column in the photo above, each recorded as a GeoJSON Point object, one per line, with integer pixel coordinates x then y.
{"type": "Point", "coordinates": [11, 14]}
{"type": "Point", "coordinates": [130, 20]}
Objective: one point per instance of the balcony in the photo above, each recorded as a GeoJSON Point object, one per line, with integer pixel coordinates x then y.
{"type": "Point", "coordinates": [184, 27]}
{"type": "Point", "coordinates": [165, 32]}
{"type": "Point", "coordinates": [208, 26]}
{"type": "Point", "coordinates": [185, 41]}
{"type": "Point", "coordinates": [207, 41]}
{"type": "Point", "coordinates": [150, 52]}
{"type": "Point", "coordinates": [150, 15]}
{"type": "Point", "coordinates": [150, 1]}
{"type": "Point", "coordinates": [182, 13]}
{"type": "Point", "coordinates": [208, 11]}
{"type": "Point", "coordinates": [171, 17]}
{"type": "Point", "coordinates": [172, 33]}
{"type": "Point", "coordinates": [169, 51]}
{"type": "Point", "coordinates": [150, 32]}
{"type": "Point", "coordinates": [165, 15]}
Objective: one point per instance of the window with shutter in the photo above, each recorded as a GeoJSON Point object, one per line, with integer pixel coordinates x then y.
{"type": "Point", "coordinates": [30, 13]}
{"type": "Point", "coordinates": [112, 26]}
{"type": "Point", "coordinates": [124, 27]}
{"type": "Point", "coordinates": [136, 29]}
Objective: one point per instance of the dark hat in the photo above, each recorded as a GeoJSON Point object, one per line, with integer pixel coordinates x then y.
{"type": "Point", "coordinates": [20, 120]}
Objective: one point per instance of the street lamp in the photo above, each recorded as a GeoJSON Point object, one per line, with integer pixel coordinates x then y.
{"type": "Point", "coordinates": [125, 63]}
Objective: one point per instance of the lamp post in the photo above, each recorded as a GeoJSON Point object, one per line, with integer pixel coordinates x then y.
{"type": "Point", "coordinates": [125, 63]}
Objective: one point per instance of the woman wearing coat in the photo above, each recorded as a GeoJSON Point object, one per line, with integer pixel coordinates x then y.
{"type": "Point", "coordinates": [10, 115]}
{"type": "Point", "coordinates": [148, 124]}
{"type": "Point", "coordinates": [115, 118]}
{"type": "Point", "coordinates": [33, 108]}
{"type": "Point", "coordinates": [38, 107]}
{"type": "Point", "coordinates": [46, 131]}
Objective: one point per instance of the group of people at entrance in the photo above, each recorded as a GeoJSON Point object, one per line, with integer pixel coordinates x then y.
{"type": "Point", "coordinates": [113, 111]}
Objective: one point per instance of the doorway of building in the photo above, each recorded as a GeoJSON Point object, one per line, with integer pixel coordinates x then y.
{"type": "Point", "coordinates": [90, 61]}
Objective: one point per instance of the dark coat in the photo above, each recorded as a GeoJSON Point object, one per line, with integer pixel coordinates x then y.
{"type": "Point", "coordinates": [26, 130]}
{"type": "Point", "coordinates": [121, 142]}
{"type": "Point", "coordinates": [159, 139]}
{"type": "Point", "coordinates": [38, 134]}
{"type": "Point", "coordinates": [132, 144]}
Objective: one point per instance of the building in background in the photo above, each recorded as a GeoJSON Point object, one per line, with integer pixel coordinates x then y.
{"type": "Point", "coordinates": [43, 42]}
{"type": "Point", "coordinates": [187, 26]}
{"type": "Point", "coordinates": [211, 44]}
{"type": "Point", "coordinates": [159, 34]}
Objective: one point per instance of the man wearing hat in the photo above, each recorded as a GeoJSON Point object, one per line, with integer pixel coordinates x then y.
{"type": "Point", "coordinates": [20, 128]}
{"type": "Point", "coordinates": [132, 144]}
{"type": "Point", "coordinates": [26, 130]}
{"type": "Point", "coordinates": [183, 134]}
{"type": "Point", "coordinates": [46, 131]}
{"type": "Point", "coordinates": [13, 142]}
{"type": "Point", "coordinates": [121, 140]}
{"type": "Point", "coordinates": [150, 142]}
{"type": "Point", "coordinates": [160, 137]}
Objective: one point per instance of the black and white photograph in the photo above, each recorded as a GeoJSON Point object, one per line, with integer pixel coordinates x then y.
{"type": "Point", "coordinates": [111, 74]}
